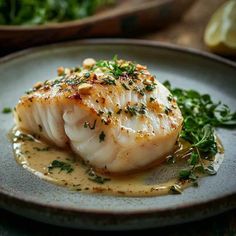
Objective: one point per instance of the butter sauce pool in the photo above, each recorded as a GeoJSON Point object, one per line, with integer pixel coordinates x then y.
{"type": "Point", "coordinates": [61, 167]}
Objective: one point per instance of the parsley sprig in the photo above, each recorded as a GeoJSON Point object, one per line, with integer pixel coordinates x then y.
{"type": "Point", "coordinates": [6, 110]}
{"type": "Point", "coordinates": [116, 68]}
{"type": "Point", "coordinates": [61, 165]}
{"type": "Point", "coordinates": [201, 117]}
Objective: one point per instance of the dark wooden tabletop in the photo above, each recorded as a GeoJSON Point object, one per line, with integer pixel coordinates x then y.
{"type": "Point", "coordinates": [224, 224]}
{"type": "Point", "coordinates": [187, 32]}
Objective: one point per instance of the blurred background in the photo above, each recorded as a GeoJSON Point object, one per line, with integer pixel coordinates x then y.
{"type": "Point", "coordinates": [207, 25]}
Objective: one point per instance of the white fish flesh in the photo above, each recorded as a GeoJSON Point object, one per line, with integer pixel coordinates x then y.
{"type": "Point", "coordinates": [114, 114]}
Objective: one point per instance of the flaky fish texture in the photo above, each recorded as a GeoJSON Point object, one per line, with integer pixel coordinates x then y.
{"type": "Point", "coordinates": [113, 114]}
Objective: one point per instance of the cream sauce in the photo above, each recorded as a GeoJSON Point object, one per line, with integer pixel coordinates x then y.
{"type": "Point", "coordinates": [37, 157]}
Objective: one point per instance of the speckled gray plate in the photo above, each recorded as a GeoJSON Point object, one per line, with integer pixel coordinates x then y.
{"type": "Point", "coordinates": [25, 194]}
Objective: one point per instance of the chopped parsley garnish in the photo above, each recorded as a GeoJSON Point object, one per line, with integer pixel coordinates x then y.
{"type": "Point", "coordinates": [201, 117]}
{"type": "Point", "coordinates": [29, 91]}
{"type": "Point", "coordinates": [56, 82]}
{"type": "Point", "coordinates": [88, 125]}
{"type": "Point", "coordinates": [102, 137]}
{"type": "Point", "coordinates": [45, 149]}
{"type": "Point", "coordinates": [125, 86]}
{"type": "Point", "coordinates": [6, 110]}
{"type": "Point", "coordinates": [139, 91]}
{"type": "Point", "coordinates": [109, 113]}
{"type": "Point", "coordinates": [76, 80]}
{"type": "Point", "coordinates": [142, 109]}
{"type": "Point", "coordinates": [105, 121]}
{"type": "Point", "coordinates": [100, 112]}
{"type": "Point", "coordinates": [61, 165]}
{"type": "Point", "coordinates": [109, 81]}
{"type": "Point", "coordinates": [116, 67]}
{"type": "Point", "coordinates": [130, 82]}
{"type": "Point", "coordinates": [194, 158]}
{"type": "Point", "coordinates": [77, 69]}
{"type": "Point", "coordinates": [186, 174]}
{"type": "Point", "coordinates": [150, 87]}
{"type": "Point", "coordinates": [87, 75]}
{"type": "Point", "coordinates": [134, 110]}
{"type": "Point", "coordinates": [170, 98]}
{"type": "Point", "coordinates": [96, 178]}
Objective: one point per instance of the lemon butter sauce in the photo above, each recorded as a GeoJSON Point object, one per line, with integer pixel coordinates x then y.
{"type": "Point", "coordinates": [62, 167]}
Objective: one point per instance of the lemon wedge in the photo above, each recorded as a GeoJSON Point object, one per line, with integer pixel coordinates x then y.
{"type": "Point", "coordinates": [220, 33]}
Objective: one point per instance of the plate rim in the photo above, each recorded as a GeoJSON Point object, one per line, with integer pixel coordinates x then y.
{"type": "Point", "coordinates": [6, 197]}
{"type": "Point", "coordinates": [120, 41]}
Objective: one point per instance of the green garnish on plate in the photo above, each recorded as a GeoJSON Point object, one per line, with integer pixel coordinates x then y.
{"type": "Point", "coordinates": [36, 12]}
{"type": "Point", "coordinates": [201, 117]}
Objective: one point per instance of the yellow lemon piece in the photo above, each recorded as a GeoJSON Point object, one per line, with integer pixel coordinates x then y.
{"type": "Point", "coordinates": [220, 33]}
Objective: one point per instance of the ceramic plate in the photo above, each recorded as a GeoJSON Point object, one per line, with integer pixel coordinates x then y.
{"type": "Point", "coordinates": [23, 193]}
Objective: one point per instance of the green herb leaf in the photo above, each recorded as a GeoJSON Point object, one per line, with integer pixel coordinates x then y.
{"type": "Point", "coordinates": [150, 87]}
{"type": "Point", "coordinates": [201, 116]}
{"type": "Point", "coordinates": [61, 165]}
{"type": "Point", "coordinates": [96, 178]}
{"type": "Point", "coordinates": [152, 99]}
{"type": "Point", "coordinates": [109, 81]}
{"type": "Point", "coordinates": [135, 109]}
{"type": "Point", "coordinates": [117, 68]}
{"type": "Point", "coordinates": [87, 75]}
{"type": "Point", "coordinates": [125, 86]}
{"type": "Point", "coordinates": [88, 125]}
{"type": "Point", "coordinates": [187, 174]}
{"type": "Point", "coordinates": [102, 137]}
{"type": "Point", "coordinates": [194, 158]}
{"type": "Point", "coordinates": [45, 149]}
{"type": "Point", "coordinates": [184, 174]}
{"type": "Point", "coordinates": [6, 110]}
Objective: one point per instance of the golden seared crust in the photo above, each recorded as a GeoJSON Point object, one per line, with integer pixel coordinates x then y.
{"type": "Point", "coordinates": [114, 114]}
{"type": "Point", "coordinates": [126, 76]}
{"type": "Point", "coordinates": [97, 85]}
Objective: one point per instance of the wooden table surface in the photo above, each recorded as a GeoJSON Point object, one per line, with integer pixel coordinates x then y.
{"type": "Point", "coordinates": [187, 32]}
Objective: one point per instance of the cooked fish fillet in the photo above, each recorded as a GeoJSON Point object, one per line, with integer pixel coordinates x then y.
{"type": "Point", "coordinates": [114, 114]}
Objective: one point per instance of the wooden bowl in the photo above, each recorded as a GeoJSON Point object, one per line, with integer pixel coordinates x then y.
{"type": "Point", "coordinates": [125, 19]}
